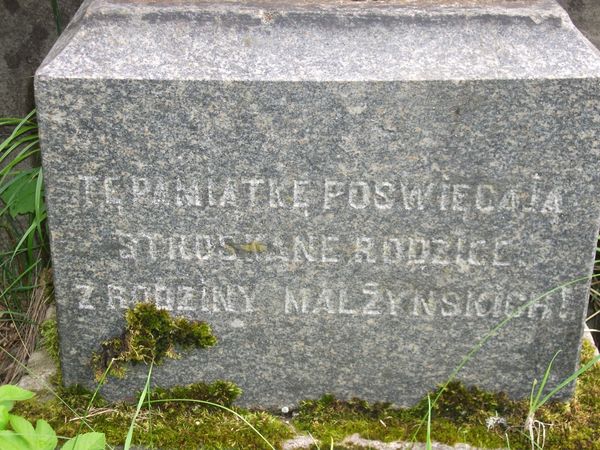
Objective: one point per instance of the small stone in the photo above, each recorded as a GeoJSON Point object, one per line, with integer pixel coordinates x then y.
{"type": "Point", "coordinates": [40, 370]}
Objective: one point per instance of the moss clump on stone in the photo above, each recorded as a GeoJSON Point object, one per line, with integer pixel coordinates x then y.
{"type": "Point", "coordinates": [220, 392]}
{"type": "Point", "coordinates": [167, 425]}
{"type": "Point", "coordinates": [49, 333]}
{"type": "Point", "coordinates": [462, 404]}
{"type": "Point", "coordinates": [187, 334]}
{"type": "Point", "coordinates": [79, 397]}
{"type": "Point", "coordinates": [49, 340]}
{"type": "Point", "coordinates": [151, 335]}
{"type": "Point", "coordinates": [459, 417]}
{"type": "Point", "coordinates": [464, 414]}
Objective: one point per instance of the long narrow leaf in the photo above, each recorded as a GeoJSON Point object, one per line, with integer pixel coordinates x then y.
{"type": "Point", "coordinates": [56, 14]}
{"type": "Point", "coordinates": [568, 380]}
{"type": "Point", "coordinates": [428, 438]}
{"type": "Point", "coordinates": [38, 205]}
{"type": "Point", "coordinates": [95, 394]}
{"type": "Point", "coordinates": [25, 272]}
{"type": "Point", "coordinates": [216, 405]}
{"type": "Point", "coordinates": [11, 146]}
{"type": "Point", "coordinates": [20, 131]}
{"type": "Point", "coordinates": [12, 121]}
{"type": "Point", "coordinates": [30, 141]}
{"type": "Point", "coordinates": [15, 179]}
{"type": "Point", "coordinates": [16, 132]}
{"type": "Point", "coordinates": [30, 145]}
{"type": "Point", "coordinates": [6, 171]}
{"type": "Point", "coordinates": [30, 230]}
{"type": "Point", "coordinates": [493, 332]}
{"type": "Point", "coordinates": [543, 383]}
{"type": "Point", "coordinates": [129, 438]}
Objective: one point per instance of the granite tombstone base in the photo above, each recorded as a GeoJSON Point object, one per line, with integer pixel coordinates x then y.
{"type": "Point", "coordinates": [351, 194]}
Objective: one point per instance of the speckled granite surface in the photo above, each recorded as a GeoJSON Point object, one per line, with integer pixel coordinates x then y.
{"type": "Point", "coordinates": [352, 194]}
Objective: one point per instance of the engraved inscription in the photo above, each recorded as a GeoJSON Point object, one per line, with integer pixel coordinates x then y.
{"type": "Point", "coordinates": [352, 250]}
{"type": "Point", "coordinates": [324, 194]}
{"type": "Point", "coordinates": [369, 298]}
{"type": "Point", "coordinates": [225, 298]}
{"type": "Point", "coordinates": [326, 249]}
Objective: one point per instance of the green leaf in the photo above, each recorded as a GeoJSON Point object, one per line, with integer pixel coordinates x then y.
{"type": "Point", "coordinates": [145, 392]}
{"type": "Point", "coordinates": [12, 393]}
{"type": "Point", "coordinates": [24, 429]}
{"type": "Point", "coordinates": [45, 436]}
{"type": "Point", "coordinates": [11, 441]}
{"type": "Point", "coordinates": [21, 196]}
{"type": "Point", "coordinates": [569, 379]}
{"type": "Point", "coordinates": [8, 405]}
{"type": "Point", "coordinates": [87, 441]}
{"type": "Point", "coordinates": [3, 417]}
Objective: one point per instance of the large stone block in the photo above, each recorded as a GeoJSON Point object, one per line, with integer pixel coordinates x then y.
{"type": "Point", "coordinates": [352, 194]}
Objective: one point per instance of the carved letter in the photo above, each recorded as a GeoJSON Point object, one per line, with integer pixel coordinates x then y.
{"type": "Point", "coordinates": [383, 195]}
{"type": "Point", "coordinates": [300, 247]}
{"type": "Point", "coordinates": [363, 250]}
{"type": "Point", "coordinates": [333, 189]}
{"type": "Point", "coordinates": [274, 195]}
{"type": "Point", "coordinates": [252, 188]}
{"type": "Point", "coordinates": [299, 202]}
{"type": "Point", "coordinates": [189, 195]}
{"type": "Point", "coordinates": [326, 249]}
{"type": "Point", "coordinates": [483, 202]}
{"type": "Point", "coordinates": [370, 289]}
{"type": "Point", "coordinates": [355, 200]}
{"type": "Point", "coordinates": [86, 296]}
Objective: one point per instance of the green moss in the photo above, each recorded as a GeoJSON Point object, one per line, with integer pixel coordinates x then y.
{"type": "Point", "coordinates": [148, 336]}
{"type": "Point", "coordinates": [49, 340]}
{"type": "Point", "coordinates": [462, 404]}
{"type": "Point", "coordinates": [49, 333]}
{"type": "Point", "coordinates": [78, 397]}
{"type": "Point", "coordinates": [577, 423]}
{"type": "Point", "coordinates": [168, 425]}
{"type": "Point", "coordinates": [189, 334]}
{"type": "Point", "coordinates": [460, 416]}
{"type": "Point", "coordinates": [151, 335]}
{"type": "Point", "coordinates": [220, 392]}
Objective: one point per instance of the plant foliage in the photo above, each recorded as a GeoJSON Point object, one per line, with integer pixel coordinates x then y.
{"type": "Point", "coordinates": [17, 433]}
{"type": "Point", "coordinates": [151, 334]}
{"type": "Point", "coordinates": [23, 238]}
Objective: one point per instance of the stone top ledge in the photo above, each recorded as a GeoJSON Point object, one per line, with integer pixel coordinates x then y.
{"type": "Point", "coordinates": [536, 10]}
{"type": "Point", "coordinates": [309, 40]}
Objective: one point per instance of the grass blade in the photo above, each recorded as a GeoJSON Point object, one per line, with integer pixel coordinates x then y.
{"type": "Point", "coordinates": [56, 14]}
{"type": "Point", "coordinates": [129, 438]}
{"type": "Point", "coordinates": [428, 440]}
{"type": "Point", "coordinates": [568, 380]}
{"type": "Point", "coordinates": [543, 383]}
{"type": "Point", "coordinates": [493, 332]}
{"type": "Point", "coordinates": [225, 408]}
